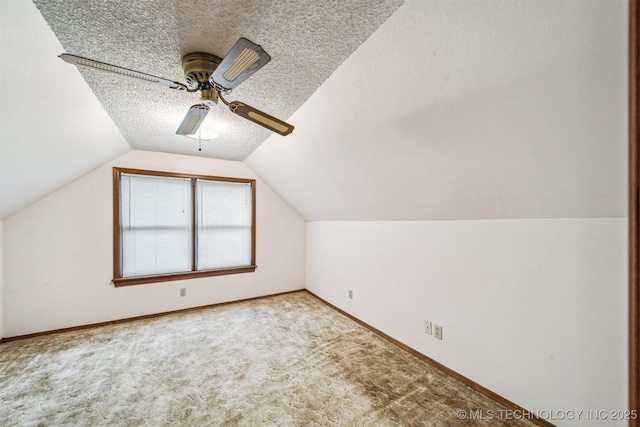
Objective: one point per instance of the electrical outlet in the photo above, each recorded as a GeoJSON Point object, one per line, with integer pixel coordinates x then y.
{"type": "Point", "coordinates": [427, 328]}
{"type": "Point", "coordinates": [437, 331]}
{"type": "Point", "coordinates": [183, 292]}
{"type": "Point", "coordinates": [350, 294]}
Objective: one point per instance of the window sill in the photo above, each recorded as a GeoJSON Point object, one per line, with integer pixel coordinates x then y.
{"type": "Point", "coordinates": [141, 280]}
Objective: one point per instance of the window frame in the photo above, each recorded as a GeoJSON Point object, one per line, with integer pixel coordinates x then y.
{"type": "Point", "coordinates": [118, 280]}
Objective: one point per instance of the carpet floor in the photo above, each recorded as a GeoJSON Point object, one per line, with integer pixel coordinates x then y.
{"type": "Point", "coordinates": [287, 360]}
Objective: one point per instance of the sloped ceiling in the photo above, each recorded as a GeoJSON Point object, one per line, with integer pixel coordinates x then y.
{"type": "Point", "coordinates": [58, 122]}
{"type": "Point", "coordinates": [466, 110]}
{"type": "Point", "coordinates": [307, 40]}
{"type": "Point", "coordinates": [52, 128]}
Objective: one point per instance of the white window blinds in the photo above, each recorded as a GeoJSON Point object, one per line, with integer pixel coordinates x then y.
{"type": "Point", "coordinates": [175, 226]}
{"type": "Point", "coordinates": [224, 218]}
{"type": "Point", "coordinates": [155, 225]}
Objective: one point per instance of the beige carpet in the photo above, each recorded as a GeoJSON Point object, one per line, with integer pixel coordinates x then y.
{"type": "Point", "coordinates": [288, 360]}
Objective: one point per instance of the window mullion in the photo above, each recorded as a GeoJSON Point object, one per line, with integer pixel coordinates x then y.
{"type": "Point", "coordinates": [194, 227]}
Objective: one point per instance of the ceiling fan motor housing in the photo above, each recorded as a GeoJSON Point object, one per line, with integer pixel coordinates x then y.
{"type": "Point", "coordinates": [198, 67]}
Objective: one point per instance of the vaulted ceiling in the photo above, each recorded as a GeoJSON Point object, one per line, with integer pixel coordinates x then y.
{"type": "Point", "coordinates": [426, 110]}
{"type": "Point", "coordinates": [306, 40]}
{"type": "Point", "coordinates": [45, 105]}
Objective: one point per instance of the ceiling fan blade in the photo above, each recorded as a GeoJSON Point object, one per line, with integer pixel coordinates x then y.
{"type": "Point", "coordinates": [261, 118]}
{"type": "Point", "coordinates": [78, 60]}
{"type": "Point", "coordinates": [192, 121]}
{"type": "Point", "coordinates": [244, 59]}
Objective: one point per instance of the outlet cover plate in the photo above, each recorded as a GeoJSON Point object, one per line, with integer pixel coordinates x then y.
{"type": "Point", "coordinates": [437, 331]}
{"type": "Point", "coordinates": [427, 328]}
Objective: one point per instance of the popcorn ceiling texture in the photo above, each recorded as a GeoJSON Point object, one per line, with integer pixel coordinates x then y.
{"type": "Point", "coordinates": [307, 41]}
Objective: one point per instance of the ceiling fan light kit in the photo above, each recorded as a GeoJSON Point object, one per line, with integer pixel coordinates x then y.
{"type": "Point", "coordinates": [204, 133]}
{"type": "Point", "coordinates": [210, 75]}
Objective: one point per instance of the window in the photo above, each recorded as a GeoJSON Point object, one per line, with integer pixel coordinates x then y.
{"type": "Point", "coordinates": [170, 226]}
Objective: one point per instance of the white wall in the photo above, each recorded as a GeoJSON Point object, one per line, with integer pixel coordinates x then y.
{"type": "Point", "coordinates": [1, 279]}
{"type": "Point", "coordinates": [533, 309]}
{"type": "Point", "coordinates": [58, 253]}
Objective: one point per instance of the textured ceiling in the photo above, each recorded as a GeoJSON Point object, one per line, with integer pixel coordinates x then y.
{"type": "Point", "coordinates": [307, 41]}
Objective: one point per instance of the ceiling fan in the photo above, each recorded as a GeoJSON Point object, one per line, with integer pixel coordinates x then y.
{"type": "Point", "coordinates": [210, 75]}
